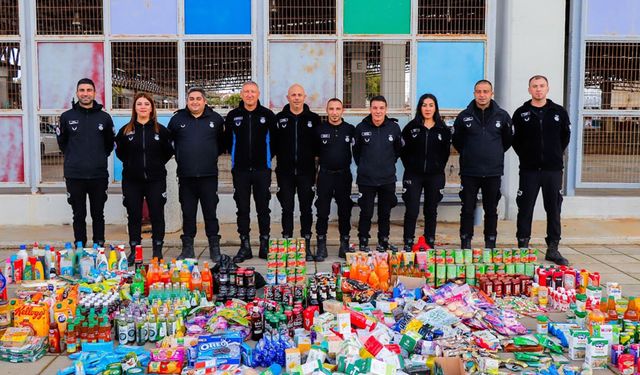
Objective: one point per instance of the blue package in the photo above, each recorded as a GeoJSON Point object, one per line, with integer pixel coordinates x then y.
{"type": "Point", "coordinates": [247, 355]}
{"type": "Point", "coordinates": [225, 348]}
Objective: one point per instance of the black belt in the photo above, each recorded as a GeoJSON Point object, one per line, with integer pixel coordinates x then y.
{"type": "Point", "coordinates": [335, 171]}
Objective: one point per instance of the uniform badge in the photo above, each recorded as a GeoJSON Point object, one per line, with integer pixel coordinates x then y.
{"type": "Point", "coordinates": [130, 138]}
{"type": "Point", "coordinates": [519, 193]}
{"type": "Point", "coordinates": [498, 124]}
{"type": "Point", "coordinates": [346, 139]}
{"type": "Point", "coordinates": [100, 127]}
{"type": "Point", "coordinates": [366, 140]}
{"type": "Point", "coordinates": [324, 141]}
{"type": "Point", "coordinates": [390, 138]}
{"type": "Point", "coordinates": [556, 117]}
{"type": "Point", "coordinates": [57, 130]}
{"type": "Point", "coordinates": [263, 120]}
{"type": "Point", "coordinates": [164, 194]}
{"type": "Point", "coordinates": [468, 124]}
{"type": "Point", "coordinates": [439, 137]}
{"type": "Point", "coordinates": [309, 124]}
{"type": "Point", "coordinates": [211, 125]}
{"type": "Point", "coordinates": [182, 125]}
{"type": "Point", "coordinates": [74, 128]}
{"type": "Point", "coordinates": [407, 182]}
{"type": "Point", "coordinates": [156, 137]}
{"type": "Point", "coordinates": [237, 120]}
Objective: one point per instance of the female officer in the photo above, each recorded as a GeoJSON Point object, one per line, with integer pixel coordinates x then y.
{"type": "Point", "coordinates": [144, 146]}
{"type": "Point", "coordinates": [424, 155]}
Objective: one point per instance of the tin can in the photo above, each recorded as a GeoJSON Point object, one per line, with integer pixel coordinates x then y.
{"type": "Point", "coordinates": [529, 269]}
{"type": "Point", "coordinates": [533, 256]}
{"type": "Point", "coordinates": [273, 246]}
{"type": "Point", "coordinates": [468, 256]}
{"type": "Point", "coordinates": [500, 268]}
{"type": "Point", "coordinates": [471, 281]}
{"type": "Point", "coordinates": [441, 271]}
{"type": "Point", "coordinates": [491, 269]}
{"type": "Point", "coordinates": [515, 255]}
{"type": "Point", "coordinates": [625, 338]}
{"type": "Point", "coordinates": [449, 257]}
{"type": "Point", "coordinates": [476, 255]}
{"type": "Point", "coordinates": [458, 256]}
{"type": "Point", "coordinates": [336, 268]}
{"type": "Point", "coordinates": [506, 256]}
{"type": "Point", "coordinates": [626, 364]}
{"type": "Point", "coordinates": [524, 255]}
{"type": "Point", "coordinates": [440, 256]}
{"type": "Point", "coordinates": [510, 269]}
{"type": "Point", "coordinates": [461, 270]}
{"type": "Point", "coordinates": [487, 257]}
{"type": "Point", "coordinates": [470, 271]}
{"type": "Point", "coordinates": [481, 270]}
{"type": "Point", "coordinates": [291, 275]}
{"type": "Point", "coordinates": [519, 268]}
{"type": "Point", "coordinates": [451, 271]}
{"type": "Point", "coordinates": [497, 255]}
{"type": "Point", "coordinates": [281, 260]}
{"type": "Point", "coordinates": [281, 277]}
{"type": "Point", "coordinates": [431, 256]}
{"type": "Point", "coordinates": [271, 276]}
{"type": "Point", "coordinates": [431, 269]}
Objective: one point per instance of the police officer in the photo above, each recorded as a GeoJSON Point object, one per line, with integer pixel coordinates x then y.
{"type": "Point", "coordinates": [197, 133]}
{"type": "Point", "coordinates": [144, 146]}
{"type": "Point", "coordinates": [376, 150]}
{"type": "Point", "coordinates": [248, 131]}
{"type": "Point", "coordinates": [85, 137]}
{"type": "Point", "coordinates": [296, 169]}
{"type": "Point", "coordinates": [541, 135]}
{"type": "Point", "coordinates": [482, 134]}
{"type": "Point", "coordinates": [334, 138]}
{"type": "Point", "coordinates": [425, 154]}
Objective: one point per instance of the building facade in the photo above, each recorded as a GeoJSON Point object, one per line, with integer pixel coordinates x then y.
{"type": "Point", "coordinates": [351, 49]}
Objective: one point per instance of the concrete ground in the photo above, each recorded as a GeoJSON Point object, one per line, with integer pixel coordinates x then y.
{"type": "Point", "coordinates": [611, 247]}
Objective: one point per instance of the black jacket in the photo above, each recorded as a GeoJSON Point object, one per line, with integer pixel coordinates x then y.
{"type": "Point", "coordinates": [376, 151]}
{"type": "Point", "coordinates": [248, 137]}
{"type": "Point", "coordinates": [425, 151]}
{"type": "Point", "coordinates": [197, 142]}
{"type": "Point", "coordinates": [292, 141]}
{"type": "Point", "coordinates": [482, 137]}
{"type": "Point", "coordinates": [144, 152]}
{"type": "Point", "coordinates": [85, 137]}
{"type": "Point", "coordinates": [333, 145]}
{"type": "Point", "coordinates": [540, 142]}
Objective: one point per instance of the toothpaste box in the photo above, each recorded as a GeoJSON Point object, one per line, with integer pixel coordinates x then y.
{"type": "Point", "coordinates": [225, 348]}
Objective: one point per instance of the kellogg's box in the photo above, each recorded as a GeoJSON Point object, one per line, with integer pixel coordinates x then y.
{"type": "Point", "coordinates": [34, 316]}
{"type": "Point", "coordinates": [224, 348]}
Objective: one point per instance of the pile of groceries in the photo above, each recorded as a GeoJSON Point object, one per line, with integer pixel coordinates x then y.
{"type": "Point", "coordinates": [429, 311]}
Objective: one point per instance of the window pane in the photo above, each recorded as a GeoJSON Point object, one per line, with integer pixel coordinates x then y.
{"type": "Point", "coordinates": [377, 17]}
{"type": "Point", "coordinates": [9, 22]}
{"type": "Point", "coordinates": [227, 17]}
{"type": "Point", "coordinates": [144, 66]}
{"type": "Point", "coordinates": [51, 159]}
{"type": "Point", "coordinates": [11, 149]}
{"type": "Point", "coordinates": [611, 149]}
{"type": "Point", "coordinates": [451, 16]}
{"type": "Point", "coordinates": [302, 17]}
{"type": "Point", "coordinates": [10, 76]}
{"type": "Point", "coordinates": [220, 68]}
{"type": "Point", "coordinates": [376, 68]}
{"type": "Point", "coordinates": [132, 17]}
{"type": "Point", "coordinates": [612, 75]}
{"type": "Point", "coordinates": [69, 17]}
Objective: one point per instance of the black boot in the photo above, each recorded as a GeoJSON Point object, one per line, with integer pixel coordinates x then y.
{"type": "Point", "coordinates": [187, 248]}
{"type": "Point", "coordinates": [157, 249]}
{"type": "Point", "coordinates": [364, 244]}
{"type": "Point", "coordinates": [553, 254]}
{"type": "Point", "coordinates": [465, 242]}
{"type": "Point", "coordinates": [523, 243]}
{"type": "Point", "coordinates": [131, 258]}
{"type": "Point", "coordinates": [214, 248]}
{"type": "Point", "coordinates": [307, 249]}
{"type": "Point", "coordinates": [490, 242]}
{"type": "Point", "coordinates": [264, 246]}
{"type": "Point", "coordinates": [384, 245]}
{"type": "Point", "coordinates": [244, 252]}
{"type": "Point", "coordinates": [431, 241]}
{"type": "Point", "coordinates": [344, 247]}
{"type": "Point", "coordinates": [321, 249]}
{"type": "Point", "coordinates": [408, 244]}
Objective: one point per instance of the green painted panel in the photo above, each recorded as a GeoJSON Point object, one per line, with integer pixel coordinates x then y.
{"type": "Point", "coordinates": [377, 16]}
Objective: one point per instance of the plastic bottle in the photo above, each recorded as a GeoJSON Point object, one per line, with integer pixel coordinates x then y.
{"type": "Point", "coordinates": [53, 266]}
{"type": "Point", "coordinates": [113, 260]}
{"type": "Point", "coordinates": [631, 314]}
{"type": "Point", "coordinates": [8, 271]}
{"type": "Point", "coordinates": [123, 265]}
{"type": "Point", "coordinates": [22, 254]}
{"type": "Point", "coordinates": [38, 270]}
{"type": "Point", "coordinates": [612, 312]}
{"type": "Point", "coordinates": [138, 284]}
{"type": "Point", "coordinates": [54, 338]}
{"type": "Point", "coordinates": [196, 278]}
{"type": "Point", "coordinates": [28, 269]}
{"type": "Point", "coordinates": [543, 296]}
{"type": "Point", "coordinates": [139, 261]}
{"type": "Point", "coordinates": [185, 275]}
{"type": "Point", "coordinates": [207, 281]}
{"type": "Point", "coordinates": [382, 269]}
{"type": "Point", "coordinates": [152, 328]}
{"type": "Point", "coordinates": [71, 339]}
{"type": "Point", "coordinates": [596, 317]}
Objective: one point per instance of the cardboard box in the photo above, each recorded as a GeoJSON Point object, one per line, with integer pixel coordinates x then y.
{"type": "Point", "coordinates": [33, 316]}
{"type": "Point", "coordinates": [597, 353]}
{"type": "Point", "coordinates": [225, 348]}
{"type": "Point", "coordinates": [578, 339]}
{"type": "Point", "coordinates": [448, 366]}
{"type": "Point", "coordinates": [292, 359]}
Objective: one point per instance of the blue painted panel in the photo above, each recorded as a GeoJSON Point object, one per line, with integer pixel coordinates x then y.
{"type": "Point", "coordinates": [449, 70]}
{"type": "Point", "coordinates": [119, 122]}
{"type": "Point", "coordinates": [217, 16]}
{"type": "Point", "coordinates": [613, 18]}
{"type": "Point", "coordinates": [144, 17]}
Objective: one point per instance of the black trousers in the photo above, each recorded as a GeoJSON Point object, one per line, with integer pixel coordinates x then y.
{"type": "Point", "coordinates": [490, 187]}
{"type": "Point", "coordinates": [77, 192]}
{"type": "Point", "coordinates": [192, 190]}
{"type": "Point", "coordinates": [244, 182]}
{"type": "Point", "coordinates": [334, 185]}
{"type": "Point", "coordinates": [288, 186]}
{"type": "Point", "coordinates": [413, 185]}
{"type": "Point", "coordinates": [134, 192]}
{"type": "Point", "coordinates": [530, 184]}
{"type": "Point", "coordinates": [386, 201]}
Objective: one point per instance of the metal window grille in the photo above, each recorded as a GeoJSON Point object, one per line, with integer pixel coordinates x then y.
{"type": "Point", "coordinates": [611, 149]}
{"type": "Point", "coordinates": [10, 86]}
{"type": "Point", "coordinates": [9, 22]}
{"type": "Point", "coordinates": [302, 16]}
{"type": "Point", "coordinates": [69, 17]}
{"type": "Point", "coordinates": [51, 159]}
{"type": "Point", "coordinates": [376, 68]}
{"type": "Point", "coordinates": [612, 75]}
{"type": "Point", "coordinates": [144, 66]}
{"type": "Point", "coordinates": [220, 68]}
{"type": "Point", "coordinates": [452, 170]}
{"type": "Point", "coordinates": [451, 16]}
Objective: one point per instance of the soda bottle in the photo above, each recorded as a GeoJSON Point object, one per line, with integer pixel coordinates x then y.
{"type": "Point", "coordinates": [257, 326]}
{"type": "Point", "coordinates": [139, 260]}
{"type": "Point", "coordinates": [131, 330]}
{"type": "Point", "coordinates": [196, 278]}
{"type": "Point", "coordinates": [185, 276]}
{"type": "Point", "coordinates": [152, 328]}
{"type": "Point", "coordinates": [612, 313]}
{"type": "Point", "coordinates": [141, 331]}
{"type": "Point", "coordinates": [175, 273]}
{"type": "Point", "coordinates": [72, 339]}
{"type": "Point", "coordinates": [54, 338]}
{"type": "Point", "coordinates": [207, 281]}
{"type": "Point", "coordinates": [631, 314]}
{"type": "Point", "coordinates": [162, 327]}
{"type": "Point", "coordinates": [596, 317]}
{"type": "Point", "coordinates": [138, 284]}
{"type": "Point", "coordinates": [123, 328]}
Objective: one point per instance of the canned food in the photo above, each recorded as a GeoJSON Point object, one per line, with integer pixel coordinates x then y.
{"type": "Point", "coordinates": [441, 271]}
{"type": "Point", "coordinates": [448, 257]}
{"type": "Point", "coordinates": [524, 255]}
{"type": "Point", "coordinates": [510, 269]}
{"type": "Point", "coordinates": [440, 256]}
{"type": "Point", "coordinates": [487, 256]}
{"type": "Point", "coordinates": [458, 256]}
{"type": "Point", "coordinates": [519, 268]}
{"type": "Point", "coordinates": [470, 271]}
{"type": "Point", "coordinates": [533, 256]}
{"type": "Point", "coordinates": [529, 269]}
{"type": "Point", "coordinates": [476, 255]}
{"type": "Point", "coordinates": [515, 255]}
{"type": "Point", "coordinates": [451, 271]}
{"type": "Point", "coordinates": [481, 269]}
{"type": "Point", "coordinates": [431, 256]}
{"type": "Point", "coordinates": [506, 256]}
{"type": "Point", "coordinates": [468, 256]}
{"type": "Point", "coordinates": [461, 270]}
{"type": "Point", "coordinates": [497, 255]}
{"type": "Point", "coordinates": [500, 268]}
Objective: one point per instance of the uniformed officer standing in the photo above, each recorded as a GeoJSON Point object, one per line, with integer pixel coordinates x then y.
{"type": "Point", "coordinates": [85, 137]}
{"type": "Point", "coordinates": [427, 145]}
{"type": "Point", "coordinates": [541, 135]}
{"type": "Point", "coordinates": [482, 134]}
{"type": "Point", "coordinates": [333, 144]}
{"type": "Point", "coordinates": [197, 133]}
{"type": "Point", "coordinates": [248, 131]}
{"type": "Point", "coordinates": [376, 150]}
{"type": "Point", "coordinates": [296, 169]}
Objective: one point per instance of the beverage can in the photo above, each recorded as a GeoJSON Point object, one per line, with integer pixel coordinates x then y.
{"type": "Point", "coordinates": [519, 268]}
{"type": "Point", "coordinates": [515, 255]}
{"type": "Point", "coordinates": [506, 256]}
{"type": "Point", "coordinates": [440, 256]}
{"type": "Point", "coordinates": [458, 256]}
{"type": "Point", "coordinates": [461, 270]}
{"type": "Point", "coordinates": [448, 257]}
{"type": "Point", "coordinates": [497, 255]}
{"type": "Point", "coordinates": [431, 256]}
{"type": "Point", "coordinates": [487, 256]}
{"type": "Point", "coordinates": [533, 256]}
{"type": "Point", "coordinates": [476, 255]}
{"type": "Point", "coordinates": [468, 256]}
{"type": "Point", "coordinates": [451, 271]}
{"type": "Point", "coordinates": [510, 269]}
